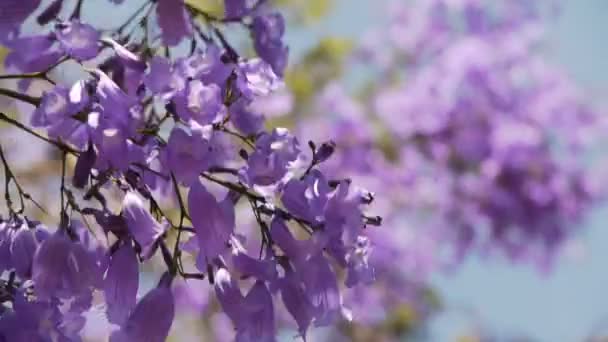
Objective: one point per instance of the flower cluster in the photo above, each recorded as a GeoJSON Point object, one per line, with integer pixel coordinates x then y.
{"type": "Point", "coordinates": [144, 125]}
{"type": "Point", "coordinates": [480, 147]}
{"type": "Point", "coordinates": [509, 129]}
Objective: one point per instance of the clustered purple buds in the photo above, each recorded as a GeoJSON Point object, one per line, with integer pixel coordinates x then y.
{"type": "Point", "coordinates": [148, 127]}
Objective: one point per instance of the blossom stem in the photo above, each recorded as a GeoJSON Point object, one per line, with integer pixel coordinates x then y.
{"type": "Point", "coordinates": [35, 101]}
{"type": "Point", "coordinates": [257, 198]}
{"type": "Point", "coordinates": [183, 214]}
{"type": "Point", "coordinates": [77, 10]}
{"type": "Point", "coordinates": [235, 134]}
{"type": "Point", "coordinates": [26, 129]}
{"type": "Point", "coordinates": [221, 169]}
{"type": "Point", "coordinates": [132, 17]}
{"type": "Point", "coordinates": [10, 176]}
{"type": "Point", "coordinates": [62, 187]}
{"type": "Point", "coordinates": [234, 187]}
{"type": "Point", "coordinates": [40, 74]}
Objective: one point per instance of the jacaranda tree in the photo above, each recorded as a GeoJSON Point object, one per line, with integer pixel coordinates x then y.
{"type": "Point", "coordinates": [177, 193]}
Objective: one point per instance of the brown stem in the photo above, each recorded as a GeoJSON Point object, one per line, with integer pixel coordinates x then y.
{"type": "Point", "coordinates": [35, 101]}
{"type": "Point", "coordinates": [26, 129]}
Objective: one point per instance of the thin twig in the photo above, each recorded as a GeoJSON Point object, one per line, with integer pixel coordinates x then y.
{"type": "Point", "coordinates": [183, 214]}
{"type": "Point", "coordinates": [234, 187]}
{"type": "Point", "coordinates": [35, 101]}
{"type": "Point", "coordinates": [235, 134]}
{"type": "Point", "coordinates": [77, 10]}
{"type": "Point", "coordinates": [221, 169]}
{"type": "Point", "coordinates": [26, 129]}
{"type": "Point", "coordinates": [62, 187]}
{"type": "Point", "coordinates": [133, 16]}
{"type": "Point", "coordinates": [44, 74]}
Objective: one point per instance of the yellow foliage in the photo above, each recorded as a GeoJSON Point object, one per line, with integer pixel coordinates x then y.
{"type": "Point", "coordinates": [213, 7]}
{"type": "Point", "coordinates": [3, 53]}
{"type": "Point", "coordinates": [306, 11]}
{"type": "Point", "coordinates": [468, 338]}
{"type": "Point", "coordinates": [320, 65]}
{"type": "Point", "coordinates": [402, 320]}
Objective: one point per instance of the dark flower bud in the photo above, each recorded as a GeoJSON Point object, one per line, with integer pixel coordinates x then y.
{"type": "Point", "coordinates": [50, 12]}
{"type": "Point", "coordinates": [312, 146]}
{"type": "Point", "coordinates": [367, 197]}
{"type": "Point", "coordinates": [83, 167]}
{"type": "Point", "coordinates": [325, 151]}
{"type": "Point", "coordinates": [243, 154]}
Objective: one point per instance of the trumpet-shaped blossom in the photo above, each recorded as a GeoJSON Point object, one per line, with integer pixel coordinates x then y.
{"type": "Point", "coordinates": [121, 284]}
{"type": "Point", "coordinates": [213, 221]}
{"type": "Point", "coordinates": [173, 20]}
{"type": "Point", "coordinates": [161, 126]}
{"type": "Point", "coordinates": [64, 268]}
{"type": "Point", "coordinates": [144, 229]}
{"type": "Point", "coordinates": [151, 318]}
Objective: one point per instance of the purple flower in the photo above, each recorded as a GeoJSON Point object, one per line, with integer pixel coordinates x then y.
{"type": "Point", "coordinates": [273, 155]}
{"type": "Point", "coordinates": [359, 269]}
{"type": "Point", "coordinates": [257, 79]}
{"type": "Point", "coordinates": [213, 222]}
{"type": "Point", "coordinates": [91, 244]}
{"type": "Point", "coordinates": [236, 8]}
{"type": "Point", "coordinates": [115, 119]}
{"type": "Point", "coordinates": [343, 210]}
{"type": "Point", "coordinates": [6, 236]}
{"type": "Point", "coordinates": [297, 301]}
{"type": "Point", "coordinates": [307, 198]}
{"type": "Point", "coordinates": [83, 167]}
{"type": "Point", "coordinates": [193, 296]}
{"type": "Point", "coordinates": [63, 268]}
{"type": "Point", "coordinates": [115, 102]}
{"type": "Point", "coordinates": [128, 58]}
{"type": "Point", "coordinates": [187, 155]}
{"type": "Point", "coordinates": [23, 245]}
{"type": "Point", "coordinates": [121, 284]}
{"type": "Point", "coordinates": [258, 322]}
{"type": "Point", "coordinates": [248, 266]}
{"type": "Point", "coordinates": [314, 200]}
{"type": "Point", "coordinates": [204, 66]}
{"type": "Point", "coordinates": [245, 120]}
{"type": "Point", "coordinates": [228, 295]}
{"type": "Point", "coordinates": [200, 102]}
{"type": "Point", "coordinates": [322, 289]}
{"type": "Point", "coordinates": [142, 226]}
{"type": "Point", "coordinates": [252, 315]}
{"type": "Point", "coordinates": [152, 317]}
{"type": "Point", "coordinates": [61, 112]}
{"type": "Point", "coordinates": [116, 150]}
{"type": "Point", "coordinates": [297, 250]}
{"type": "Point", "coordinates": [80, 41]}
{"type": "Point", "coordinates": [173, 20]}
{"type": "Point", "coordinates": [32, 54]}
{"type": "Point", "coordinates": [13, 15]}
{"type": "Point", "coordinates": [267, 31]}
{"type": "Point", "coordinates": [161, 78]}
{"type": "Point", "coordinates": [31, 320]}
